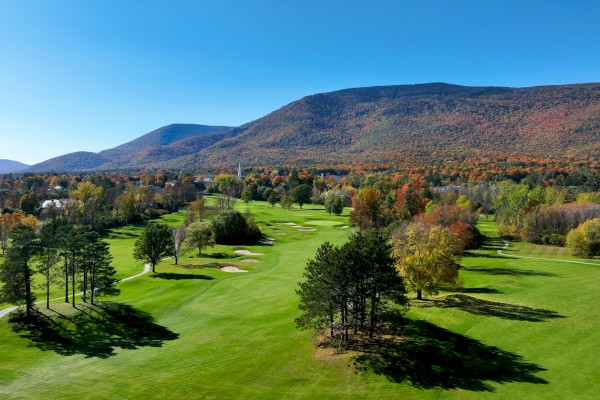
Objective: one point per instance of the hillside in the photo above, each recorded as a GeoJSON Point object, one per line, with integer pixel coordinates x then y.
{"type": "Point", "coordinates": [422, 124]}
{"type": "Point", "coordinates": [164, 136]}
{"type": "Point", "coordinates": [77, 161]}
{"type": "Point", "coordinates": [8, 166]}
{"type": "Point", "coordinates": [165, 143]}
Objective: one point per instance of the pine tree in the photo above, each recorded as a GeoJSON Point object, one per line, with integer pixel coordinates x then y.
{"type": "Point", "coordinates": [16, 273]}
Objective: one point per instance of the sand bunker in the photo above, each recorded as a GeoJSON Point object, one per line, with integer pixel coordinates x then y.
{"type": "Point", "coordinates": [267, 241]}
{"type": "Point", "coordinates": [247, 253]}
{"type": "Point", "coordinates": [344, 227]}
{"type": "Point", "coordinates": [248, 260]}
{"type": "Point", "coordinates": [230, 268]}
{"type": "Point", "coordinates": [305, 229]}
{"type": "Point", "coordinates": [288, 223]}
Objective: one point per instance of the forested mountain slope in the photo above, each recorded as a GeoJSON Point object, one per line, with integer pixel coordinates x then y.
{"type": "Point", "coordinates": [429, 123]}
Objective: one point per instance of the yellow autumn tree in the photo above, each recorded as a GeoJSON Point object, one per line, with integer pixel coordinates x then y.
{"type": "Point", "coordinates": [426, 257]}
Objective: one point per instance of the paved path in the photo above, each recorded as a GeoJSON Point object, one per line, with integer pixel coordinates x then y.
{"type": "Point", "coordinates": [13, 308]}
{"type": "Point", "coordinates": [539, 258]}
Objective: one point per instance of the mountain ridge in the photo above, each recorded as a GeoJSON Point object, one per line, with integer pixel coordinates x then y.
{"type": "Point", "coordinates": [399, 125]}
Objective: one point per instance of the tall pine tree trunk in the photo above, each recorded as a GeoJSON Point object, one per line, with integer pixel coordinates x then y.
{"type": "Point", "coordinates": [28, 299]}
{"type": "Point", "coordinates": [66, 279]}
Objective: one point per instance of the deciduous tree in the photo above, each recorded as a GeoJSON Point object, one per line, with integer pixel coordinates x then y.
{"type": "Point", "coordinates": [426, 256]}
{"type": "Point", "coordinates": [200, 235]}
{"type": "Point", "coordinates": [154, 244]}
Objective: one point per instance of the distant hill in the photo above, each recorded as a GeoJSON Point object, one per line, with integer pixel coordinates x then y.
{"type": "Point", "coordinates": [8, 166]}
{"type": "Point", "coordinates": [139, 153]}
{"type": "Point", "coordinates": [162, 137]}
{"type": "Point", "coordinates": [379, 127]}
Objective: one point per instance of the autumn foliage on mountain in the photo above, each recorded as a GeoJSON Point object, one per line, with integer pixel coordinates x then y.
{"type": "Point", "coordinates": [424, 125]}
{"type": "Point", "coordinates": [464, 133]}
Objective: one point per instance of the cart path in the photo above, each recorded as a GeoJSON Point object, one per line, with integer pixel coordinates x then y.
{"type": "Point", "coordinates": [506, 244]}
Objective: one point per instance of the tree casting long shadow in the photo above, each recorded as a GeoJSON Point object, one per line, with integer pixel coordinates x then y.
{"type": "Point", "coordinates": [94, 332]}
{"type": "Point", "coordinates": [428, 356]}
{"type": "Point", "coordinates": [488, 308]}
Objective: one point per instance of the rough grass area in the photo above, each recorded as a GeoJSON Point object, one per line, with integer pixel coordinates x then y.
{"type": "Point", "coordinates": [521, 329]}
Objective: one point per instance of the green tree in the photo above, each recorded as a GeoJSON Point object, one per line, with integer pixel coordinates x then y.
{"type": "Point", "coordinates": [273, 198]}
{"type": "Point", "coordinates": [426, 257]}
{"type": "Point", "coordinates": [230, 227]}
{"type": "Point", "coordinates": [49, 256]}
{"type": "Point", "coordinates": [100, 273]}
{"type": "Point", "coordinates": [345, 287]}
{"type": "Point", "coordinates": [29, 203]}
{"type": "Point", "coordinates": [286, 201]}
{"type": "Point", "coordinates": [154, 244]}
{"type": "Point", "coordinates": [301, 194]}
{"type": "Point", "coordinates": [17, 273]}
{"type": "Point", "coordinates": [337, 206]}
{"type": "Point", "coordinates": [200, 235]}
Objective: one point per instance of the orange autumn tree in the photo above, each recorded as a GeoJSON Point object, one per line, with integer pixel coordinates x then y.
{"type": "Point", "coordinates": [367, 208]}
{"type": "Point", "coordinates": [411, 199]}
{"type": "Point", "coordinates": [8, 221]}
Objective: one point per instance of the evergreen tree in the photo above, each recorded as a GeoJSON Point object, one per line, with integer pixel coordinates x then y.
{"type": "Point", "coordinates": [16, 273]}
{"type": "Point", "coordinates": [49, 256]}
{"type": "Point", "coordinates": [345, 287]}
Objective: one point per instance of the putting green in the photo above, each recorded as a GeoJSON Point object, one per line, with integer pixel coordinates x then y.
{"type": "Point", "coordinates": [324, 223]}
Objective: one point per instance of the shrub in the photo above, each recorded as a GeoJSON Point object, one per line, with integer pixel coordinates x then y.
{"type": "Point", "coordinates": [230, 227]}
{"type": "Point", "coordinates": [584, 241]}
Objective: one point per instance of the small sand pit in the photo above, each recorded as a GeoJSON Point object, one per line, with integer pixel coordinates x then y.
{"type": "Point", "coordinates": [305, 229]}
{"type": "Point", "coordinates": [247, 253]}
{"type": "Point", "coordinates": [344, 227]}
{"type": "Point", "coordinates": [248, 260]}
{"type": "Point", "coordinates": [268, 241]}
{"type": "Point", "coordinates": [231, 268]}
{"type": "Point", "coordinates": [288, 223]}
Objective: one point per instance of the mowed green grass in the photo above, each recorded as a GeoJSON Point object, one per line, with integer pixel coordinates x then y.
{"type": "Point", "coordinates": [232, 335]}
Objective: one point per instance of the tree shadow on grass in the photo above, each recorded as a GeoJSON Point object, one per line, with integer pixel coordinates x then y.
{"type": "Point", "coordinates": [220, 255]}
{"type": "Point", "coordinates": [481, 290]}
{"type": "Point", "coordinates": [487, 308]}
{"type": "Point", "coordinates": [485, 255]}
{"type": "Point", "coordinates": [427, 357]}
{"type": "Point", "coordinates": [96, 333]}
{"type": "Point", "coordinates": [510, 271]}
{"type": "Point", "coordinates": [177, 277]}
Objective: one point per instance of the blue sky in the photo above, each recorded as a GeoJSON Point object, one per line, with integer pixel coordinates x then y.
{"type": "Point", "coordinates": [90, 75]}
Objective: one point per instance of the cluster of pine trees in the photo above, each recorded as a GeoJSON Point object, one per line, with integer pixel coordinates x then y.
{"type": "Point", "coordinates": [61, 254]}
{"type": "Point", "coordinates": [348, 288]}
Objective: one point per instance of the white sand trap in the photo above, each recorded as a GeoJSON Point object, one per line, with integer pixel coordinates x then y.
{"type": "Point", "coordinates": [302, 229]}
{"type": "Point", "coordinates": [288, 223]}
{"type": "Point", "coordinates": [344, 227]}
{"type": "Point", "coordinates": [248, 260]}
{"type": "Point", "coordinates": [230, 268]}
{"type": "Point", "coordinates": [268, 241]}
{"type": "Point", "coordinates": [247, 253]}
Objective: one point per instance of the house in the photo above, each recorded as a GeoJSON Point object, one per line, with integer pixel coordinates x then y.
{"type": "Point", "coordinates": [55, 203]}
